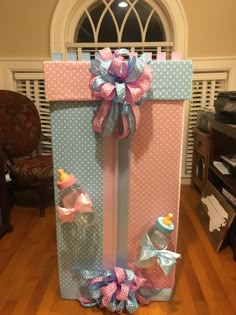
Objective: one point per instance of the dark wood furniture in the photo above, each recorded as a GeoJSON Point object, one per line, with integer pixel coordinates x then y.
{"type": "Point", "coordinates": [201, 150]}
{"type": "Point", "coordinates": [5, 226]}
{"type": "Point", "coordinates": [222, 142]}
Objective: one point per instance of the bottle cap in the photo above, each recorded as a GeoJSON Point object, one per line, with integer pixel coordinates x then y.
{"type": "Point", "coordinates": [164, 224]}
{"type": "Point", "coordinates": [65, 180]}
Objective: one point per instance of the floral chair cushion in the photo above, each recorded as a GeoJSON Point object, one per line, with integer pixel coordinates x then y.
{"type": "Point", "coordinates": [33, 171]}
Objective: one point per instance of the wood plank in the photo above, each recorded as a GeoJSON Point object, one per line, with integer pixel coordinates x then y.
{"type": "Point", "coordinates": [205, 280]}
{"type": "Point", "coordinates": [219, 268]}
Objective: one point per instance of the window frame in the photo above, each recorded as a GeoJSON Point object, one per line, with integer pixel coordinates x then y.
{"type": "Point", "coordinates": [68, 13]}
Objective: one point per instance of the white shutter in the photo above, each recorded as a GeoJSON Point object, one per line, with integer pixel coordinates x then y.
{"type": "Point", "coordinates": [32, 85]}
{"type": "Point", "coordinates": [205, 88]}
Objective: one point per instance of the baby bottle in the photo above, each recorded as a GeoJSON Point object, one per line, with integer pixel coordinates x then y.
{"type": "Point", "coordinates": [158, 234]}
{"type": "Point", "coordinates": [154, 246]}
{"type": "Point", "coordinates": [76, 202]}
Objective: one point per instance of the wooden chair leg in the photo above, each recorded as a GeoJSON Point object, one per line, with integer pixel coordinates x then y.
{"type": "Point", "coordinates": [41, 190]}
{"type": "Point", "coordinates": [45, 197]}
{"type": "Point", "coordinates": [42, 211]}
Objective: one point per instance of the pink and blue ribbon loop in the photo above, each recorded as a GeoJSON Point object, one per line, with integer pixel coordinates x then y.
{"type": "Point", "coordinates": [121, 85]}
{"type": "Point", "coordinates": [165, 258]}
{"type": "Point", "coordinates": [116, 290]}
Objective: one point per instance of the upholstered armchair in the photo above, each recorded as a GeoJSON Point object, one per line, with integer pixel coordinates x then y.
{"type": "Point", "coordinates": [20, 136]}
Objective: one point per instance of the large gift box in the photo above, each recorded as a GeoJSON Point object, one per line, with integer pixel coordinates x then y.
{"type": "Point", "coordinates": [130, 181]}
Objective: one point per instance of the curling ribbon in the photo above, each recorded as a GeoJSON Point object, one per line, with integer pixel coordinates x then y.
{"type": "Point", "coordinates": [116, 290]}
{"type": "Point", "coordinates": [121, 85]}
{"type": "Point", "coordinates": [82, 204]}
{"type": "Point", "coordinates": [165, 258]}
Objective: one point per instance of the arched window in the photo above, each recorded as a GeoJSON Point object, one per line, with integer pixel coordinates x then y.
{"type": "Point", "coordinates": [143, 25]}
{"type": "Point", "coordinates": [120, 21]}
{"type": "Point", "coordinates": [134, 24]}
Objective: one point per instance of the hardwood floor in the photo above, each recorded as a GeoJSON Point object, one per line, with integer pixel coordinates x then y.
{"type": "Point", "coordinates": [205, 281]}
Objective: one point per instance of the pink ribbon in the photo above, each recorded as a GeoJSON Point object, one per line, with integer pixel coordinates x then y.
{"type": "Point", "coordinates": [82, 204]}
{"type": "Point", "coordinates": [117, 290]}
{"type": "Point", "coordinates": [121, 84]}
{"type": "Point", "coordinates": [120, 288]}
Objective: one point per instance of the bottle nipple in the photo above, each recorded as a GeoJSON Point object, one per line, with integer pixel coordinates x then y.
{"type": "Point", "coordinates": [63, 176]}
{"type": "Point", "coordinates": [168, 219]}
{"type": "Point", "coordinates": [65, 180]}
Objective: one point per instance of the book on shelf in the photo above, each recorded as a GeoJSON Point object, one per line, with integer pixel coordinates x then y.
{"type": "Point", "coordinates": [221, 167]}
{"type": "Point", "coordinates": [229, 158]}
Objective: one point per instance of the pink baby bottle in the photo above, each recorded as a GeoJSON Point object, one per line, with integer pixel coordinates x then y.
{"type": "Point", "coordinates": [75, 204]}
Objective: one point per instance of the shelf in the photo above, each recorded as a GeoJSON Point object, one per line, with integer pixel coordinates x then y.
{"type": "Point", "coordinates": [228, 130]}
{"type": "Point", "coordinates": [229, 180]}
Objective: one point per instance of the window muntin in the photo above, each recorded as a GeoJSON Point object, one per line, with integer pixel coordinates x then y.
{"type": "Point", "coordinates": [105, 21]}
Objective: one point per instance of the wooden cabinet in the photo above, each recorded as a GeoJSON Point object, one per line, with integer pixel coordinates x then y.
{"type": "Point", "coordinates": [223, 142]}
{"type": "Point", "coordinates": [201, 150]}
{"type": "Point", "coordinates": [213, 199]}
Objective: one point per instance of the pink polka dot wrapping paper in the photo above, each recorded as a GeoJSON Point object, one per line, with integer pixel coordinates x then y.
{"type": "Point", "coordinates": [69, 80]}
{"type": "Point", "coordinates": [155, 173]}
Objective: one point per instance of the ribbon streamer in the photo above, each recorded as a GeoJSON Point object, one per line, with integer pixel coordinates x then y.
{"type": "Point", "coordinates": [121, 85]}
{"type": "Point", "coordinates": [116, 290]}
{"type": "Point", "coordinates": [82, 204]}
{"type": "Point", "coordinates": [165, 258]}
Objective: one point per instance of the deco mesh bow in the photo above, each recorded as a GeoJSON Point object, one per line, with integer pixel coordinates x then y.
{"type": "Point", "coordinates": [117, 290]}
{"type": "Point", "coordinates": [121, 85]}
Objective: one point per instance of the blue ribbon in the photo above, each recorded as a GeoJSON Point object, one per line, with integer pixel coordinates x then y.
{"type": "Point", "coordinates": [102, 70]}
{"type": "Point", "coordinates": [94, 296]}
{"type": "Point", "coordinates": [165, 258]}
